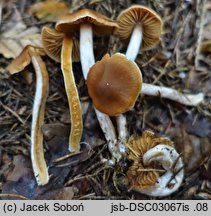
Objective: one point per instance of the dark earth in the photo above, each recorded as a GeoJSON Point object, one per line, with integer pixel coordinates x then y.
{"type": "Point", "coordinates": [181, 60]}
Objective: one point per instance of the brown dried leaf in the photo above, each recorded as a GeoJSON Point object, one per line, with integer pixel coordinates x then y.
{"type": "Point", "coordinates": [17, 36]}
{"type": "Point", "coordinates": [206, 46]}
{"type": "Point", "coordinates": [49, 10]}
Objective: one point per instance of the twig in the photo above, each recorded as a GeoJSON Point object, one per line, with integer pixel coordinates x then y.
{"type": "Point", "coordinates": [202, 21]}
{"type": "Point", "coordinates": [12, 112]}
{"type": "Point", "coordinates": [14, 196]}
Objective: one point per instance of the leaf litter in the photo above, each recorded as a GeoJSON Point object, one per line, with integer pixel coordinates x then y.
{"type": "Point", "coordinates": [87, 175]}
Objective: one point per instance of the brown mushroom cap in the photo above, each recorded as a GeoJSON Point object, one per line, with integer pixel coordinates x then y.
{"type": "Point", "coordinates": [52, 42]}
{"type": "Point", "coordinates": [149, 19]}
{"type": "Point", "coordinates": [70, 22]}
{"type": "Point", "coordinates": [24, 58]}
{"type": "Point", "coordinates": [114, 84]}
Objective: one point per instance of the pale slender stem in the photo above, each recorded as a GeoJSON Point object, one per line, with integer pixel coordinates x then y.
{"type": "Point", "coordinates": [72, 95]}
{"type": "Point", "coordinates": [122, 133]}
{"type": "Point", "coordinates": [87, 61]}
{"type": "Point", "coordinates": [172, 94]}
{"type": "Point", "coordinates": [86, 48]}
{"type": "Point", "coordinates": [170, 160]}
{"type": "Point", "coordinates": [135, 43]}
{"type": "Point", "coordinates": [37, 155]}
{"type": "Point", "coordinates": [109, 132]}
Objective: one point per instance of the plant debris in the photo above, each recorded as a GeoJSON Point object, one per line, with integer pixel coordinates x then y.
{"type": "Point", "coordinates": [181, 60]}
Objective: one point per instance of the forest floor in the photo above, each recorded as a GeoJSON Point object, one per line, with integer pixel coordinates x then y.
{"type": "Point", "coordinates": [182, 60]}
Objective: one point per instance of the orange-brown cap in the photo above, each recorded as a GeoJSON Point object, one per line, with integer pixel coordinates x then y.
{"type": "Point", "coordinates": [52, 42]}
{"type": "Point", "coordinates": [149, 20]}
{"type": "Point", "coordinates": [24, 58]}
{"type": "Point", "coordinates": [114, 84]}
{"type": "Point", "coordinates": [101, 24]}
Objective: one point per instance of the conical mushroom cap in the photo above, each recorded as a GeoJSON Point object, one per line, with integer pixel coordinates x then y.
{"type": "Point", "coordinates": [52, 42]}
{"type": "Point", "coordinates": [70, 22]}
{"type": "Point", "coordinates": [114, 84]}
{"type": "Point", "coordinates": [139, 15]}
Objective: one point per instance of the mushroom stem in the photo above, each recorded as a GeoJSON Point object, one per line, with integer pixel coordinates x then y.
{"type": "Point", "coordinates": [172, 94]}
{"type": "Point", "coordinates": [37, 155]}
{"type": "Point", "coordinates": [87, 61]}
{"type": "Point", "coordinates": [72, 95]}
{"type": "Point", "coordinates": [122, 133]}
{"type": "Point", "coordinates": [86, 48]}
{"type": "Point", "coordinates": [135, 43]}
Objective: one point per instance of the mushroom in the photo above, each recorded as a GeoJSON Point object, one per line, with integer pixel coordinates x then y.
{"type": "Point", "coordinates": [62, 47]}
{"type": "Point", "coordinates": [114, 84]}
{"type": "Point", "coordinates": [157, 168]}
{"type": "Point", "coordinates": [142, 27]}
{"type": "Point", "coordinates": [88, 22]}
{"type": "Point", "coordinates": [33, 54]}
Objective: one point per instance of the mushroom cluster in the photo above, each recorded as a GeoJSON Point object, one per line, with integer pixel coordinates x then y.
{"type": "Point", "coordinates": [114, 84]}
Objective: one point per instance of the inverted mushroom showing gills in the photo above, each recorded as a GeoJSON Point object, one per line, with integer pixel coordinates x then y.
{"type": "Point", "coordinates": [157, 168]}
{"type": "Point", "coordinates": [32, 54]}
{"type": "Point", "coordinates": [140, 26]}
{"type": "Point", "coordinates": [63, 47]}
{"type": "Point", "coordinates": [87, 22]}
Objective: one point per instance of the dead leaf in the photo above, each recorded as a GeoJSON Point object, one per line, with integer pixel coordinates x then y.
{"type": "Point", "coordinates": [17, 36]}
{"type": "Point", "coordinates": [206, 46]}
{"type": "Point", "coordinates": [20, 168]}
{"type": "Point", "coordinates": [49, 10]}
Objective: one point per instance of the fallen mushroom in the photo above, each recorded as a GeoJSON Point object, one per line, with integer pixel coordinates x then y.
{"type": "Point", "coordinates": [142, 27]}
{"type": "Point", "coordinates": [62, 47]}
{"type": "Point", "coordinates": [88, 22]}
{"type": "Point", "coordinates": [157, 168]}
{"type": "Point", "coordinates": [32, 54]}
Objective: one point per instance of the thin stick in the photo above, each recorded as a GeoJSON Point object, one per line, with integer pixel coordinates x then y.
{"type": "Point", "coordinates": [202, 22]}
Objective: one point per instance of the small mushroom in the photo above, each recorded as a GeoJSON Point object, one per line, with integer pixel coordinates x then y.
{"type": "Point", "coordinates": [140, 26]}
{"type": "Point", "coordinates": [33, 54]}
{"type": "Point", "coordinates": [88, 22]}
{"type": "Point", "coordinates": [157, 168]}
{"type": "Point", "coordinates": [62, 47]}
{"type": "Point", "coordinates": [114, 84]}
